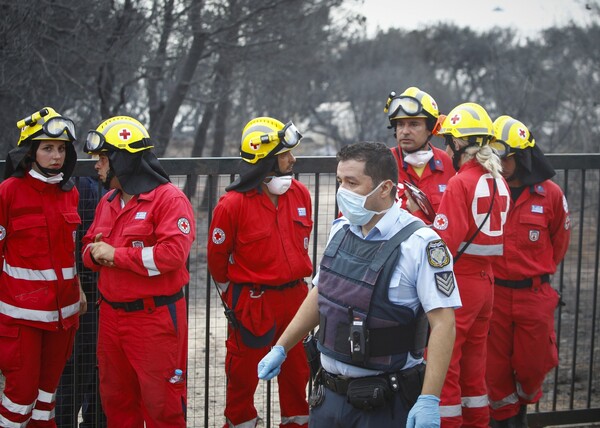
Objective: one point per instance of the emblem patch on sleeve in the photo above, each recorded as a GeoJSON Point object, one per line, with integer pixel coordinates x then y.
{"type": "Point", "coordinates": [437, 254]}
{"type": "Point", "coordinates": [218, 236]}
{"type": "Point", "coordinates": [184, 225]}
{"type": "Point", "coordinates": [2, 233]}
{"type": "Point", "coordinates": [444, 282]}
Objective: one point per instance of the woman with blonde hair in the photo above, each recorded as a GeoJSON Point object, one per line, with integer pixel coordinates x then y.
{"type": "Point", "coordinates": [470, 220]}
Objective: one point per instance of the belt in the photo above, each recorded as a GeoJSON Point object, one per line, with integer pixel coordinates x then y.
{"type": "Point", "coordinates": [263, 287]}
{"type": "Point", "coordinates": [140, 304]}
{"type": "Point", "coordinates": [523, 283]}
{"type": "Point", "coordinates": [339, 384]}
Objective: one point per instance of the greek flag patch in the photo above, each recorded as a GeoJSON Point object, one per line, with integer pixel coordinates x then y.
{"type": "Point", "coordinates": [302, 212]}
{"type": "Point", "coordinates": [444, 282]}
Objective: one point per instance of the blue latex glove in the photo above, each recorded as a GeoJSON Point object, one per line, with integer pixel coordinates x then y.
{"type": "Point", "coordinates": [425, 413]}
{"type": "Point", "coordinates": [270, 365]}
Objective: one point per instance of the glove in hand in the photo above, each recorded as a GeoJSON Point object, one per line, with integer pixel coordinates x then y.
{"type": "Point", "coordinates": [270, 365]}
{"type": "Point", "coordinates": [425, 413]}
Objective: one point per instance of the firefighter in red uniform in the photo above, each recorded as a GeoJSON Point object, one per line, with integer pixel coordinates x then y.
{"type": "Point", "coordinates": [522, 342]}
{"type": "Point", "coordinates": [470, 220]}
{"type": "Point", "coordinates": [40, 296]}
{"type": "Point", "coordinates": [414, 117]}
{"type": "Point", "coordinates": [139, 242]}
{"type": "Point", "coordinates": [258, 256]}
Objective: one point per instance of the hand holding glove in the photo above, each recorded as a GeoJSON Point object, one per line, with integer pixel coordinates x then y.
{"type": "Point", "coordinates": [270, 365]}
{"type": "Point", "coordinates": [425, 413]}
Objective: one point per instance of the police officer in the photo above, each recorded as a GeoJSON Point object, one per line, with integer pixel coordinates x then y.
{"type": "Point", "coordinates": [415, 117]}
{"type": "Point", "coordinates": [258, 255]}
{"type": "Point", "coordinates": [382, 276]}
{"type": "Point", "coordinates": [522, 341]}
{"type": "Point", "coordinates": [139, 243]}
{"type": "Point", "coordinates": [470, 220]}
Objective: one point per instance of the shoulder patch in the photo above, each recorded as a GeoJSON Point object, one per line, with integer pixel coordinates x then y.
{"type": "Point", "coordinates": [437, 254]}
{"type": "Point", "coordinates": [218, 236]}
{"type": "Point", "coordinates": [184, 225]}
{"type": "Point", "coordinates": [440, 222]}
{"type": "Point", "coordinates": [444, 281]}
{"type": "Point", "coordinates": [2, 232]}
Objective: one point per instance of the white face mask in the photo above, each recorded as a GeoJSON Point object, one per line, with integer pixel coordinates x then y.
{"type": "Point", "coordinates": [352, 206]}
{"type": "Point", "coordinates": [53, 179]}
{"type": "Point", "coordinates": [418, 158]}
{"type": "Point", "coordinates": [279, 185]}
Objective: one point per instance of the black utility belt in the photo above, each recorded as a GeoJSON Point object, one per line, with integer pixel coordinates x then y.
{"type": "Point", "coordinates": [523, 283]}
{"type": "Point", "coordinates": [374, 391]}
{"type": "Point", "coordinates": [263, 287]}
{"type": "Point", "coordinates": [141, 304]}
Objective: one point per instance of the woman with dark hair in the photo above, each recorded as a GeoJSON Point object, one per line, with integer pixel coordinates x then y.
{"type": "Point", "coordinates": [40, 295]}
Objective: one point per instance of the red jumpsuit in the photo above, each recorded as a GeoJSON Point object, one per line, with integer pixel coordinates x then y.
{"type": "Point", "coordinates": [522, 341]}
{"type": "Point", "coordinates": [39, 296]}
{"type": "Point", "coordinates": [139, 350]}
{"type": "Point", "coordinates": [254, 243]}
{"type": "Point", "coordinates": [432, 181]}
{"type": "Point", "coordinates": [464, 207]}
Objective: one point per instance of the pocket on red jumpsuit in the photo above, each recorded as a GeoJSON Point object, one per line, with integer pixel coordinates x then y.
{"type": "Point", "coordinates": [257, 322]}
{"type": "Point", "coordinates": [10, 344]}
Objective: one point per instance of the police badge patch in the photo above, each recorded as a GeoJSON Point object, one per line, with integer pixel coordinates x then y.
{"type": "Point", "coordinates": [437, 254]}
{"type": "Point", "coordinates": [444, 282]}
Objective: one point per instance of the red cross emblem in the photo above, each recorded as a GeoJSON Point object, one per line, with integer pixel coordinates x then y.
{"type": "Point", "coordinates": [184, 225]}
{"type": "Point", "coordinates": [255, 146]}
{"type": "Point", "coordinates": [522, 133]}
{"type": "Point", "coordinates": [124, 134]}
{"type": "Point", "coordinates": [455, 119]}
{"type": "Point", "coordinates": [483, 206]}
{"type": "Point", "coordinates": [218, 236]}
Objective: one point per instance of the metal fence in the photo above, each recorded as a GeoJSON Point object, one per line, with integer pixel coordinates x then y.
{"type": "Point", "coordinates": [570, 391]}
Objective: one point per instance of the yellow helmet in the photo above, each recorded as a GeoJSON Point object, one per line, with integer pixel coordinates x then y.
{"type": "Point", "coordinates": [118, 133]}
{"type": "Point", "coordinates": [470, 122]}
{"type": "Point", "coordinates": [46, 124]}
{"type": "Point", "coordinates": [264, 136]}
{"type": "Point", "coordinates": [413, 102]}
{"type": "Point", "coordinates": [511, 135]}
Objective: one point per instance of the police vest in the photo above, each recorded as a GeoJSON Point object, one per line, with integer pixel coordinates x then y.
{"type": "Point", "coordinates": [353, 300]}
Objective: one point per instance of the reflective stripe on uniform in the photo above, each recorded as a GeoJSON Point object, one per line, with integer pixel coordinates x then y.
{"type": "Point", "coordinates": [450, 411]}
{"type": "Point", "coordinates": [298, 420]}
{"type": "Point", "coordinates": [10, 424]}
{"type": "Point", "coordinates": [29, 274]}
{"type": "Point", "coordinates": [148, 260]}
{"type": "Point", "coordinates": [506, 401]}
{"type": "Point", "coordinates": [247, 424]}
{"type": "Point", "coordinates": [22, 409]}
{"type": "Point", "coordinates": [36, 314]}
{"type": "Point", "coordinates": [42, 415]}
{"type": "Point", "coordinates": [482, 250]}
{"type": "Point", "coordinates": [46, 397]}
{"type": "Point", "coordinates": [523, 394]}
{"type": "Point", "coordinates": [37, 275]}
{"type": "Point", "coordinates": [477, 401]}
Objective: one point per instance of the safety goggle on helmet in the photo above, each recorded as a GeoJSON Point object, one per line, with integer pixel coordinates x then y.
{"type": "Point", "coordinates": [265, 136]}
{"type": "Point", "coordinates": [413, 102]}
{"type": "Point", "coordinates": [46, 124]}
{"type": "Point", "coordinates": [118, 133]}
{"type": "Point", "coordinates": [510, 135]}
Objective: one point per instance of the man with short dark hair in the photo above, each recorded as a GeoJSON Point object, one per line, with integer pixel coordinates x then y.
{"type": "Point", "coordinates": [383, 275]}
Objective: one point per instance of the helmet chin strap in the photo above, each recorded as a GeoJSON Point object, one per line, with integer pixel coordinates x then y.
{"type": "Point", "coordinates": [48, 172]}
{"type": "Point", "coordinates": [418, 148]}
{"type": "Point", "coordinates": [457, 154]}
{"type": "Point", "coordinates": [109, 176]}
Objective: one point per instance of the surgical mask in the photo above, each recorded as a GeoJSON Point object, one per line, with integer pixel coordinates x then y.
{"type": "Point", "coordinates": [352, 206]}
{"type": "Point", "coordinates": [53, 179]}
{"type": "Point", "coordinates": [418, 158]}
{"type": "Point", "coordinates": [279, 185]}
